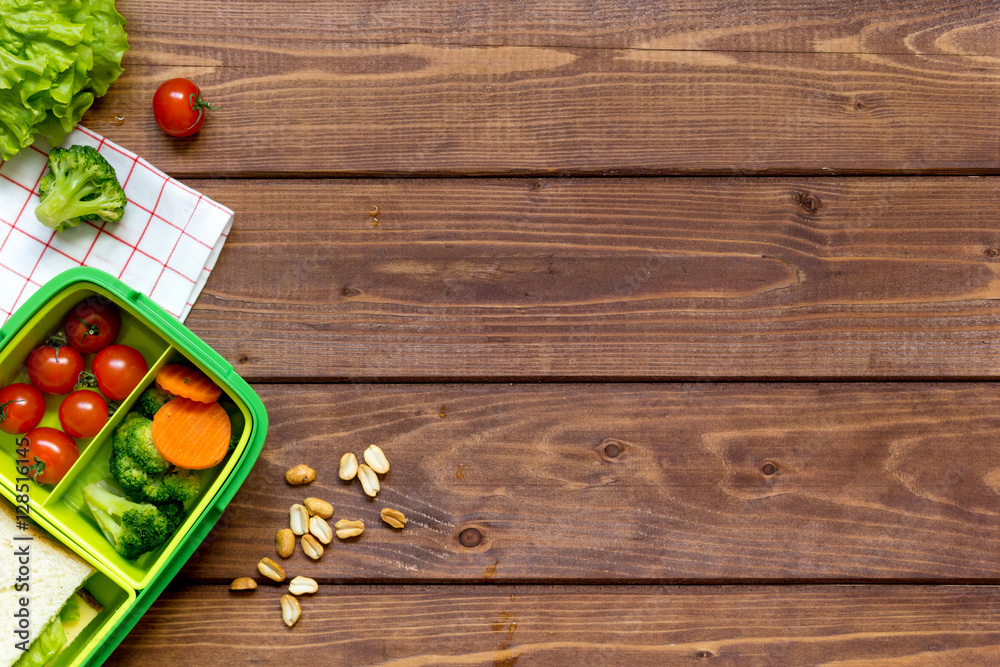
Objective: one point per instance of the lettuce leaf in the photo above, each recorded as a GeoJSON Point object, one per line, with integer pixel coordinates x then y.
{"type": "Point", "coordinates": [56, 57]}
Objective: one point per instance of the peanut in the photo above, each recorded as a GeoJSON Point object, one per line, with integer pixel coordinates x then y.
{"type": "Point", "coordinates": [346, 529]}
{"type": "Point", "coordinates": [302, 585]}
{"type": "Point", "coordinates": [348, 466]}
{"type": "Point", "coordinates": [320, 529]}
{"type": "Point", "coordinates": [270, 569]}
{"type": "Point", "coordinates": [369, 481]}
{"type": "Point", "coordinates": [299, 518]}
{"type": "Point", "coordinates": [394, 518]}
{"type": "Point", "coordinates": [284, 542]}
{"type": "Point", "coordinates": [375, 458]}
{"type": "Point", "coordinates": [243, 584]}
{"type": "Point", "coordinates": [318, 507]}
{"type": "Point", "coordinates": [311, 547]}
{"type": "Point", "coordinates": [300, 474]}
{"type": "Point", "coordinates": [290, 610]}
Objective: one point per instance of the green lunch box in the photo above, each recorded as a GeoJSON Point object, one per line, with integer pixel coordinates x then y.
{"type": "Point", "coordinates": [125, 588]}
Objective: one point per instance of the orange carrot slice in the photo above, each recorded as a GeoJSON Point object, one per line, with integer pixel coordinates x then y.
{"type": "Point", "coordinates": [187, 382]}
{"type": "Point", "coordinates": [191, 434]}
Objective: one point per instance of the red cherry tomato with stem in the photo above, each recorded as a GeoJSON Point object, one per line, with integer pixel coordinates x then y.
{"type": "Point", "coordinates": [119, 369]}
{"type": "Point", "coordinates": [50, 454]}
{"type": "Point", "coordinates": [21, 408]}
{"type": "Point", "coordinates": [54, 368]}
{"type": "Point", "coordinates": [178, 107]}
{"type": "Point", "coordinates": [83, 414]}
{"type": "Point", "coordinates": [92, 325]}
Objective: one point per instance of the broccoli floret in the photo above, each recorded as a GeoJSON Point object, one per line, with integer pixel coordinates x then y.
{"type": "Point", "coordinates": [134, 439]}
{"type": "Point", "coordinates": [178, 485]}
{"type": "Point", "coordinates": [142, 472]}
{"type": "Point", "coordinates": [132, 528]}
{"type": "Point", "coordinates": [151, 401]}
{"type": "Point", "coordinates": [79, 185]}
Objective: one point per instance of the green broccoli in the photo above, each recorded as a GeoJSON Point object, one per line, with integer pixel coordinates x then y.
{"type": "Point", "coordinates": [151, 400]}
{"type": "Point", "coordinates": [79, 185]}
{"type": "Point", "coordinates": [132, 528]}
{"type": "Point", "coordinates": [141, 470]}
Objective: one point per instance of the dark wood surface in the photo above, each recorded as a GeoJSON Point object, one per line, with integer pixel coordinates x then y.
{"type": "Point", "coordinates": [596, 625]}
{"type": "Point", "coordinates": [613, 87]}
{"type": "Point", "coordinates": [859, 489]}
{"type": "Point", "coordinates": [686, 309]}
{"type": "Point", "coordinates": [656, 278]}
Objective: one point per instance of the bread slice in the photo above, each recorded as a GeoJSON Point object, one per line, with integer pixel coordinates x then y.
{"type": "Point", "coordinates": [56, 574]}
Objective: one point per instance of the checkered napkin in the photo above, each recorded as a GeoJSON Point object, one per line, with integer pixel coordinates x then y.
{"type": "Point", "coordinates": [165, 246]}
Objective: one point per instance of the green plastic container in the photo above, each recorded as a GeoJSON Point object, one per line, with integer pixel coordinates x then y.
{"type": "Point", "coordinates": [125, 588]}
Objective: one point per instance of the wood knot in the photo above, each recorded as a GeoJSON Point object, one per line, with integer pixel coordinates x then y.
{"type": "Point", "coordinates": [703, 654]}
{"type": "Point", "coordinates": [807, 202]}
{"type": "Point", "coordinates": [611, 449]}
{"type": "Point", "coordinates": [768, 469]}
{"type": "Point", "coordinates": [991, 252]}
{"type": "Point", "coordinates": [470, 538]}
{"type": "Point", "coordinates": [350, 291]}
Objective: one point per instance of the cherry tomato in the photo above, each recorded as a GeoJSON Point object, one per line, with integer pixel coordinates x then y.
{"type": "Point", "coordinates": [54, 369]}
{"type": "Point", "coordinates": [119, 369]}
{"type": "Point", "coordinates": [92, 325]}
{"type": "Point", "coordinates": [49, 453]}
{"type": "Point", "coordinates": [21, 408]}
{"type": "Point", "coordinates": [83, 414]}
{"type": "Point", "coordinates": [178, 107]}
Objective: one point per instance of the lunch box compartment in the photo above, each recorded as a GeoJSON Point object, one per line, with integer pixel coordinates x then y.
{"type": "Point", "coordinates": [125, 588]}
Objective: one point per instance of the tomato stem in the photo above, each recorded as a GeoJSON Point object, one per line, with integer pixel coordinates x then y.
{"type": "Point", "coordinates": [92, 329]}
{"type": "Point", "coordinates": [3, 408]}
{"type": "Point", "coordinates": [198, 103]}
{"type": "Point", "coordinates": [37, 469]}
{"type": "Point", "coordinates": [86, 379]}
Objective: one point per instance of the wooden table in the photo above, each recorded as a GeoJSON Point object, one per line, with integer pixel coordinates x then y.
{"type": "Point", "coordinates": [676, 320]}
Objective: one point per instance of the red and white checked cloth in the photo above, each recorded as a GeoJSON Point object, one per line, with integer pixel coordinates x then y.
{"type": "Point", "coordinates": [165, 246]}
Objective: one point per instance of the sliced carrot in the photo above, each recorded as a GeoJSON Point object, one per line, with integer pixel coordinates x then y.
{"type": "Point", "coordinates": [187, 382]}
{"type": "Point", "coordinates": [191, 434]}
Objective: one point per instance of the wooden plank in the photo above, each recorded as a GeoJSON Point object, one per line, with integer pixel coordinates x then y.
{"type": "Point", "coordinates": [626, 483]}
{"type": "Point", "coordinates": [202, 32]}
{"type": "Point", "coordinates": [501, 625]}
{"type": "Point", "coordinates": [351, 109]}
{"type": "Point", "coordinates": [596, 278]}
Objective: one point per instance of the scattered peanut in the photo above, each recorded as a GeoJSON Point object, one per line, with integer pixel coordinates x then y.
{"type": "Point", "coordinates": [299, 519]}
{"type": "Point", "coordinates": [290, 610]}
{"type": "Point", "coordinates": [300, 474]}
{"type": "Point", "coordinates": [318, 507]}
{"type": "Point", "coordinates": [348, 466]}
{"type": "Point", "coordinates": [284, 542]}
{"type": "Point", "coordinates": [302, 586]}
{"type": "Point", "coordinates": [311, 547]}
{"type": "Point", "coordinates": [270, 569]}
{"type": "Point", "coordinates": [243, 584]}
{"type": "Point", "coordinates": [375, 458]}
{"type": "Point", "coordinates": [346, 529]}
{"type": "Point", "coordinates": [393, 517]}
{"type": "Point", "coordinates": [320, 529]}
{"type": "Point", "coordinates": [369, 481]}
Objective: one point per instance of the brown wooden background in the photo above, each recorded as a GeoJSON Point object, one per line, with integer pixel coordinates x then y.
{"type": "Point", "coordinates": [689, 308]}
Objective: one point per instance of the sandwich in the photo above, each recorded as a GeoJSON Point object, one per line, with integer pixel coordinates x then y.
{"type": "Point", "coordinates": [43, 607]}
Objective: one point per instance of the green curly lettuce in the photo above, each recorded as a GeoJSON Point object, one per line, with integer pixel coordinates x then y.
{"type": "Point", "coordinates": [56, 58]}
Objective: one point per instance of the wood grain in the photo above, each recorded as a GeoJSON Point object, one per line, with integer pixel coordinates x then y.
{"type": "Point", "coordinates": [870, 482]}
{"type": "Point", "coordinates": [607, 278]}
{"type": "Point", "coordinates": [508, 625]}
{"type": "Point", "coordinates": [448, 110]}
{"type": "Point", "coordinates": [198, 32]}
